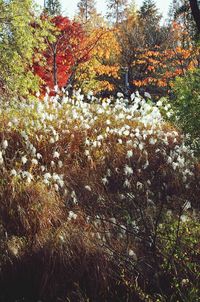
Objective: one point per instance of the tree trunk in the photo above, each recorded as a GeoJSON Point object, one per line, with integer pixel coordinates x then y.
{"type": "Point", "coordinates": [195, 12]}
{"type": "Point", "coordinates": [55, 79]}
{"type": "Point", "coordinates": [86, 12]}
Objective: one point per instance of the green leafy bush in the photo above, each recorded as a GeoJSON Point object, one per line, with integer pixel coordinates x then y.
{"type": "Point", "coordinates": [181, 255]}
{"type": "Point", "coordinates": [186, 106]}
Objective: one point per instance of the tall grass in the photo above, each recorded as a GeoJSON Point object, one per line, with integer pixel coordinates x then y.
{"type": "Point", "coordinates": [84, 191]}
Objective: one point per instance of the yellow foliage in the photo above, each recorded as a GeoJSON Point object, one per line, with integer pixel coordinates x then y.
{"type": "Point", "coordinates": [104, 53]}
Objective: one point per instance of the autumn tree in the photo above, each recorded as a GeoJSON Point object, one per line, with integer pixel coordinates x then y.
{"type": "Point", "coordinates": [136, 38]}
{"type": "Point", "coordinates": [151, 53]}
{"type": "Point", "coordinates": [181, 13]}
{"type": "Point", "coordinates": [101, 72]}
{"type": "Point", "coordinates": [86, 8]}
{"type": "Point", "coordinates": [63, 53]}
{"type": "Point", "coordinates": [131, 39]}
{"type": "Point", "coordinates": [160, 65]}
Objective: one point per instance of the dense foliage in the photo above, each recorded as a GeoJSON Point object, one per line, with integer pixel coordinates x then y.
{"type": "Point", "coordinates": [134, 52]}
{"type": "Point", "coordinates": [187, 106]}
{"type": "Point", "coordinates": [19, 39]}
{"type": "Point", "coordinates": [62, 53]}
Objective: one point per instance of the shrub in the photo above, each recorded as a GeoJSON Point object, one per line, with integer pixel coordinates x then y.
{"type": "Point", "coordinates": [84, 191]}
{"type": "Point", "coordinates": [186, 106]}
{"type": "Point", "coordinates": [181, 254]}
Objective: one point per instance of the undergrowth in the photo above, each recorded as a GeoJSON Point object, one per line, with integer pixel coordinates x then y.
{"type": "Point", "coordinates": [98, 202]}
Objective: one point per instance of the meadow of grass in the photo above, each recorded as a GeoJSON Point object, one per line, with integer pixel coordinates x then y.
{"type": "Point", "coordinates": [99, 201]}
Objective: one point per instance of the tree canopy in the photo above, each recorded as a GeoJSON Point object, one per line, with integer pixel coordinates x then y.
{"type": "Point", "coordinates": [19, 39]}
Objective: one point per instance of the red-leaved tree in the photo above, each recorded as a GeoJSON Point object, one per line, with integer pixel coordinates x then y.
{"type": "Point", "coordinates": [63, 54]}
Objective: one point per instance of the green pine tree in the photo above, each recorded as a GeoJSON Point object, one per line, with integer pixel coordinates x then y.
{"type": "Point", "coordinates": [150, 18]}
{"type": "Point", "coordinates": [149, 11]}
{"type": "Point", "coordinates": [53, 7]}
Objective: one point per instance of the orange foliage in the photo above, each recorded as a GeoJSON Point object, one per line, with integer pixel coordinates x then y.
{"type": "Point", "coordinates": [160, 67]}
{"type": "Point", "coordinates": [96, 73]}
